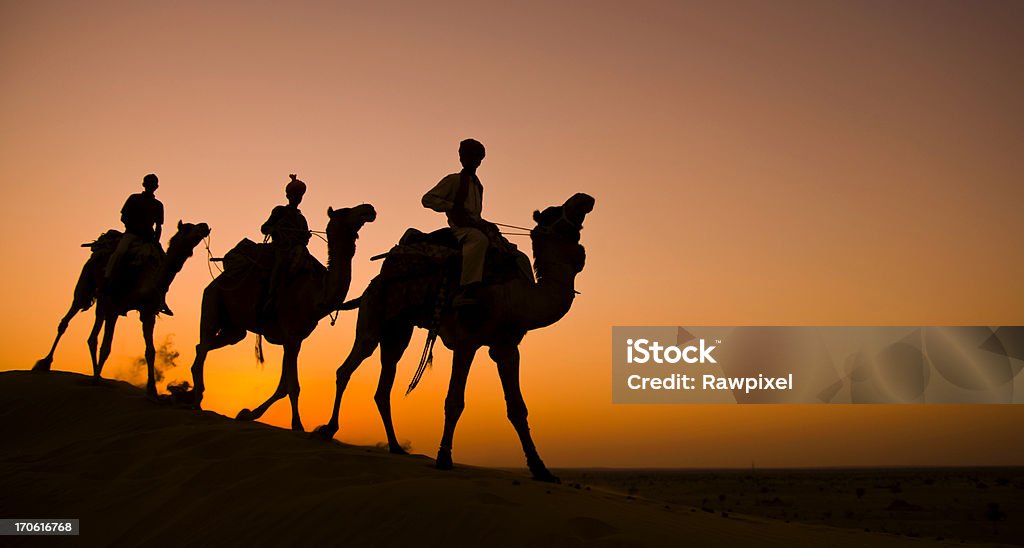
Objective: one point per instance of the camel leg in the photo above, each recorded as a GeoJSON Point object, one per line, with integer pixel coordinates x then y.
{"type": "Point", "coordinates": [362, 347]}
{"type": "Point", "coordinates": [148, 323]}
{"type": "Point", "coordinates": [279, 392]}
{"type": "Point", "coordinates": [198, 386]}
{"type": "Point", "coordinates": [109, 323]}
{"type": "Point", "coordinates": [205, 346]}
{"type": "Point", "coordinates": [392, 346]}
{"type": "Point", "coordinates": [507, 358]}
{"type": "Point", "coordinates": [93, 341]}
{"type": "Point", "coordinates": [454, 403]}
{"type": "Point", "coordinates": [45, 363]}
{"type": "Point", "coordinates": [289, 369]}
{"type": "Point", "coordinates": [212, 335]}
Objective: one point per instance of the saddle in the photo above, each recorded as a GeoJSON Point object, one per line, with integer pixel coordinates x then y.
{"type": "Point", "coordinates": [439, 253]}
{"type": "Point", "coordinates": [140, 252]}
{"type": "Point", "coordinates": [105, 244]}
{"type": "Point", "coordinates": [248, 255]}
{"type": "Point", "coordinates": [133, 279]}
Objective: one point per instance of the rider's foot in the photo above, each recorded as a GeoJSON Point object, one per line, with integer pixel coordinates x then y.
{"type": "Point", "coordinates": [468, 295]}
{"type": "Point", "coordinates": [166, 310]}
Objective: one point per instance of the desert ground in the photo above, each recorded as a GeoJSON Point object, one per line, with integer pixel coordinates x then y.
{"type": "Point", "coordinates": [968, 505]}
{"type": "Point", "coordinates": [140, 472]}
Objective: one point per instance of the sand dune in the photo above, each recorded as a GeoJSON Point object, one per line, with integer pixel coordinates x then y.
{"type": "Point", "coordinates": [136, 472]}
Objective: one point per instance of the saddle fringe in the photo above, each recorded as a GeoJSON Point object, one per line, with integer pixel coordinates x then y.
{"type": "Point", "coordinates": [259, 349]}
{"type": "Point", "coordinates": [427, 358]}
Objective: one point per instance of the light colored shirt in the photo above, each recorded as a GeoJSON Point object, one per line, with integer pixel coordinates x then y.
{"type": "Point", "coordinates": [442, 197]}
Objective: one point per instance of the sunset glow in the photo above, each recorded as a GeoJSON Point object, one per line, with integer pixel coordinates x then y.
{"type": "Point", "coordinates": [784, 163]}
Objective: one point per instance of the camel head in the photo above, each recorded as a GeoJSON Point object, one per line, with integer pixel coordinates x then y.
{"type": "Point", "coordinates": [346, 222]}
{"type": "Point", "coordinates": [565, 220]}
{"type": "Point", "coordinates": [557, 234]}
{"type": "Point", "coordinates": [187, 238]}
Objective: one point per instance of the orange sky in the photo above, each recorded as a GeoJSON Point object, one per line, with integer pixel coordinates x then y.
{"type": "Point", "coordinates": [753, 163]}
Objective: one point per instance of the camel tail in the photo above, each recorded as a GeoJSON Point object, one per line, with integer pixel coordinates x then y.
{"type": "Point", "coordinates": [85, 288]}
{"type": "Point", "coordinates": [259, 349]}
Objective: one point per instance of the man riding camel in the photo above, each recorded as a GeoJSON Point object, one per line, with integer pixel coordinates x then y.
{"type": "Point", "coordinates": [289, 235]}
{"type": "Point", "coordinates": [143, 218]}
{"type": "Point", "coordinates": [460, 196]}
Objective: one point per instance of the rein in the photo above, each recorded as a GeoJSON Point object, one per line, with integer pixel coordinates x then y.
{"type": "Point", "coordinates": [209, 256]}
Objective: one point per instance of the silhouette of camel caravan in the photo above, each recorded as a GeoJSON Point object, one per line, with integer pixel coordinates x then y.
{"type": "Point", "coordinates": [413, 290]}
{"type": "Point", "coordinates": [139, 283]}
{"type": "Point", "coordinates": [233, 303]}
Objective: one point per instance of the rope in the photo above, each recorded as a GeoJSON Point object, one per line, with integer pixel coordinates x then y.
{"type": "Point", "coordinates": [513, 234]}
{"type": "Point", "coordinates": [512, 226]}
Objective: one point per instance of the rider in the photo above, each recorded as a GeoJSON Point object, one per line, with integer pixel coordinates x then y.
{"type": "Point", "coordinates": [460, 196]}
{"type": "Point", "coordinates": [143, 217]}
{"type": "Point", "coordinates": [289, 235]}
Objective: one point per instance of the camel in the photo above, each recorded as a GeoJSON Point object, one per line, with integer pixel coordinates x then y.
{"type": "Point", "coordinates": [134, 289]}
{"type": "Point", "coordinates": [507, 311]}
{"type": "Point", "coordinates": [232, 307]}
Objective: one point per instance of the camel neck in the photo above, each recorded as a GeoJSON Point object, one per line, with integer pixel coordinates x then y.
{"type": "Point", "coordinates": [551, 297]}
{"type": "Point", "coordinates": [548, 301]}
{"type": "Point", "coordinates": [339, 271]}
{"type": "Point", "coordinates": [174, 261]}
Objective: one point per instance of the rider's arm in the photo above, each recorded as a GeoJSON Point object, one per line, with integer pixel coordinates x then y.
{"type": "Point", "coordinates": [126, 208]}
{"type": "Point", "coordinates": [275, 215]}
{"type": "Point", "coordinates": [303, 227]}
{"type": "Point", "coordinates": [159, 221]}
{"type": "Point", "coordinates": [441, 198]}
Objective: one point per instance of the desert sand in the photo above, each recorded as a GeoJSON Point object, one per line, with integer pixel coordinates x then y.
{"type": "Point", "coordinates": [138, 472]}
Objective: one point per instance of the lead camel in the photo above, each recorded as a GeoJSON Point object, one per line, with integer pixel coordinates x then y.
{"type": "Point", "coordinates": [507, 312]}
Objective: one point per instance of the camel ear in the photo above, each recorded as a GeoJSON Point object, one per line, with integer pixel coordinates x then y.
{"type": "Point", "coordinates": [536, 215]}
{"type": "Point", "coordinates": [330, 211]}
{"type": "Point", "coordinates": [179, 224]}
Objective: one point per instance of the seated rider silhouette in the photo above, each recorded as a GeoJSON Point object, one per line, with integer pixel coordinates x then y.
{"type": "Point", "coordinates": [460, 197]}
{"type": "Point", "coordinates": [143, 217]}
{"type": "Point", "coordinates": [289, 236]}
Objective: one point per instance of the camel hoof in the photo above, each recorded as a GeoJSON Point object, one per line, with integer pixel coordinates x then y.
{"type": "Point", "coordinates": [325, 433]}
{"type": "Point", "coordinates": [546, 476]}
{"type": "Point", "coordinates": [444, 460]}
{"type": "Point", "coordinates": [297, 427]}
{"type": "Point", "coordinates": [397, 450]}
{"type": "Point", "coordinates": [245, 415]}
{"type": "Point", "coordinates": [43, 365]}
